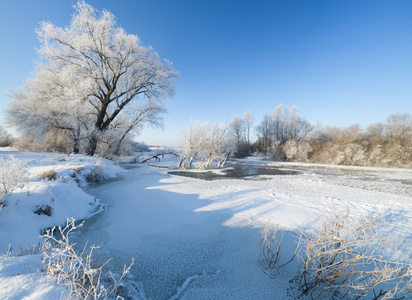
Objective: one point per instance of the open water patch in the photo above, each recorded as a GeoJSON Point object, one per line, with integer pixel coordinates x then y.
{"type": "Point", "coordinates": [250, 172]}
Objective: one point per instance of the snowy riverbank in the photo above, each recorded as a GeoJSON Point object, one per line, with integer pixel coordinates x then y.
{"type": "Point", "coordinates": [52, 193]}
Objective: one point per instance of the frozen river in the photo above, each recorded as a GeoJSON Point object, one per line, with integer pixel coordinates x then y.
{"type": "Point", "coordinates": [199, 239]}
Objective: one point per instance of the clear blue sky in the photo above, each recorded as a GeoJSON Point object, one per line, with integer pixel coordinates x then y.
{"type": "Point", "coordinates": [339, 62]}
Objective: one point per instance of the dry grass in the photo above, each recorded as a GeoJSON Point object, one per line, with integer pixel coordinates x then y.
{"type": "Point", "coordinates": [95, 174]}
{"type": "Point", "coordinates": [78, 169]}
{"type": "Point", "coordinates": [270, 246]}
{"type": "Point", "coordinates": [342, 258]}
{"type": "Point", "coordinates": [48, 175]}
{"type": "Point", "coordinates": [79, 272]}
{"type": "Point", "coordinates": [346, 258]}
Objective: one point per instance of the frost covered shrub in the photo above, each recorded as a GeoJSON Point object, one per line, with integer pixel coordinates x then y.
{"type": "Point", "coordinates": [399, 156]}
{"type": "Point", "coordinates": [377, 157]}
{"type": "Point", "coordinates": [355, 155]}
{"type": "Point", "coordinates": [95, 174]}
{"type": "Point", "coordinates": [83, 276]}
{"type": "Point", "coordinates": [13, 172]}
{"type": "Point", "coordinates": [333, 155]}
{"type": "Point", "coordinates": [344, 258]}
{"type": "Point", "coordinates": [276, 151]}
{"type": "Point", "coordinates": [297, 151]}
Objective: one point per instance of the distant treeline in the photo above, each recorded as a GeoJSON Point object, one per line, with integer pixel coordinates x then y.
{"type": "Point", "coordinates": [285, 135]}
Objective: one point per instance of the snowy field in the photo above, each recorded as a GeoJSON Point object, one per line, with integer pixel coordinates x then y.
{"type": "Point", "coordinates": [191, 238]}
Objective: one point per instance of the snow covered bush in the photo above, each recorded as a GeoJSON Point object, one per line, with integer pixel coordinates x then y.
{"type": "Point", "coordinates": [400, 156]}
{"type": "Point", "coordinates": [13, 172]}
{"type": "Point", "coordinates": [334, 155]}
{"type": "Point", "coordinates": [79, 271]}
{"type": "Point", "coordinates": [297, 151]}
{"type": "Point", "coordinates": [96, 174]}
{"type": "Point", "coordinates": [355, 155]}
{"type": "Point", "coordinates": [276, 151]}
{"type": "Point", "coordinates": [346, 258]}
{"type": "Point", "coordinates": [377, 157]}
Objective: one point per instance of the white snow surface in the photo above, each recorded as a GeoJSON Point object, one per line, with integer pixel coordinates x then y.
{"type": "Point", "coordinates": [191, 238]}
{"type": "Point", "coordinates": [20, 227]}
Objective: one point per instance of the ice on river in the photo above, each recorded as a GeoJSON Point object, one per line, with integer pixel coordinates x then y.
{"type": "Point", "coordinates": [198, 239]}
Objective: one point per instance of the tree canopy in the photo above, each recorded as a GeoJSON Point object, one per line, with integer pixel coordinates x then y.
{"type": "Point", "coordinates": [93, 79]}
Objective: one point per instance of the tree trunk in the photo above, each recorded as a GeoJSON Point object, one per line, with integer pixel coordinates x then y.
{"type": "Point", "coordinates": [191, 159]}
{"type": "Point", "coordinates": [76, 146]}
{"type": "Point", "coordinates": [91, 149]}
{"type": "Point", "coordinates": [116, 152]}
{"type": "Point", "coordinates": [208, 161]}
{"type": "Point", "coordinates": [222, 162]}
{"type": "Point", "coordinates": [181, 161]}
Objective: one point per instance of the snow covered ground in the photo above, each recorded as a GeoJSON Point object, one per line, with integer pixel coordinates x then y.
{"type": "Point", "coordinates": [20, 226]}
{"type": "Point", "coordinates": [191, 238]}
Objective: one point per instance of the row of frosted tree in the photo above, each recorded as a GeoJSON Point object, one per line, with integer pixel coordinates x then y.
{"type": "Point", "coordinates": [285, 135]}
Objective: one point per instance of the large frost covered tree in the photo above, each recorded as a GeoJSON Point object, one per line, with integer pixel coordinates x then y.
{"type": "Point", "coordinates": [118, 83]}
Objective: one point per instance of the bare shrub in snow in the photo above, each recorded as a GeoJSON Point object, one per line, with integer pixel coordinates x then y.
{"type": "Point", "coordinates": [346, 258]}
{"type": "Point", "coordinates": [13, 173]}
{"type": "Point", "coordinates": [95, 174]}
{"type": "Point", "coordinates": [79, 272]}
{"type": "Point", "coordinates": [48, 175]}
{"type": "Point", "coordinates": [271, 244]}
